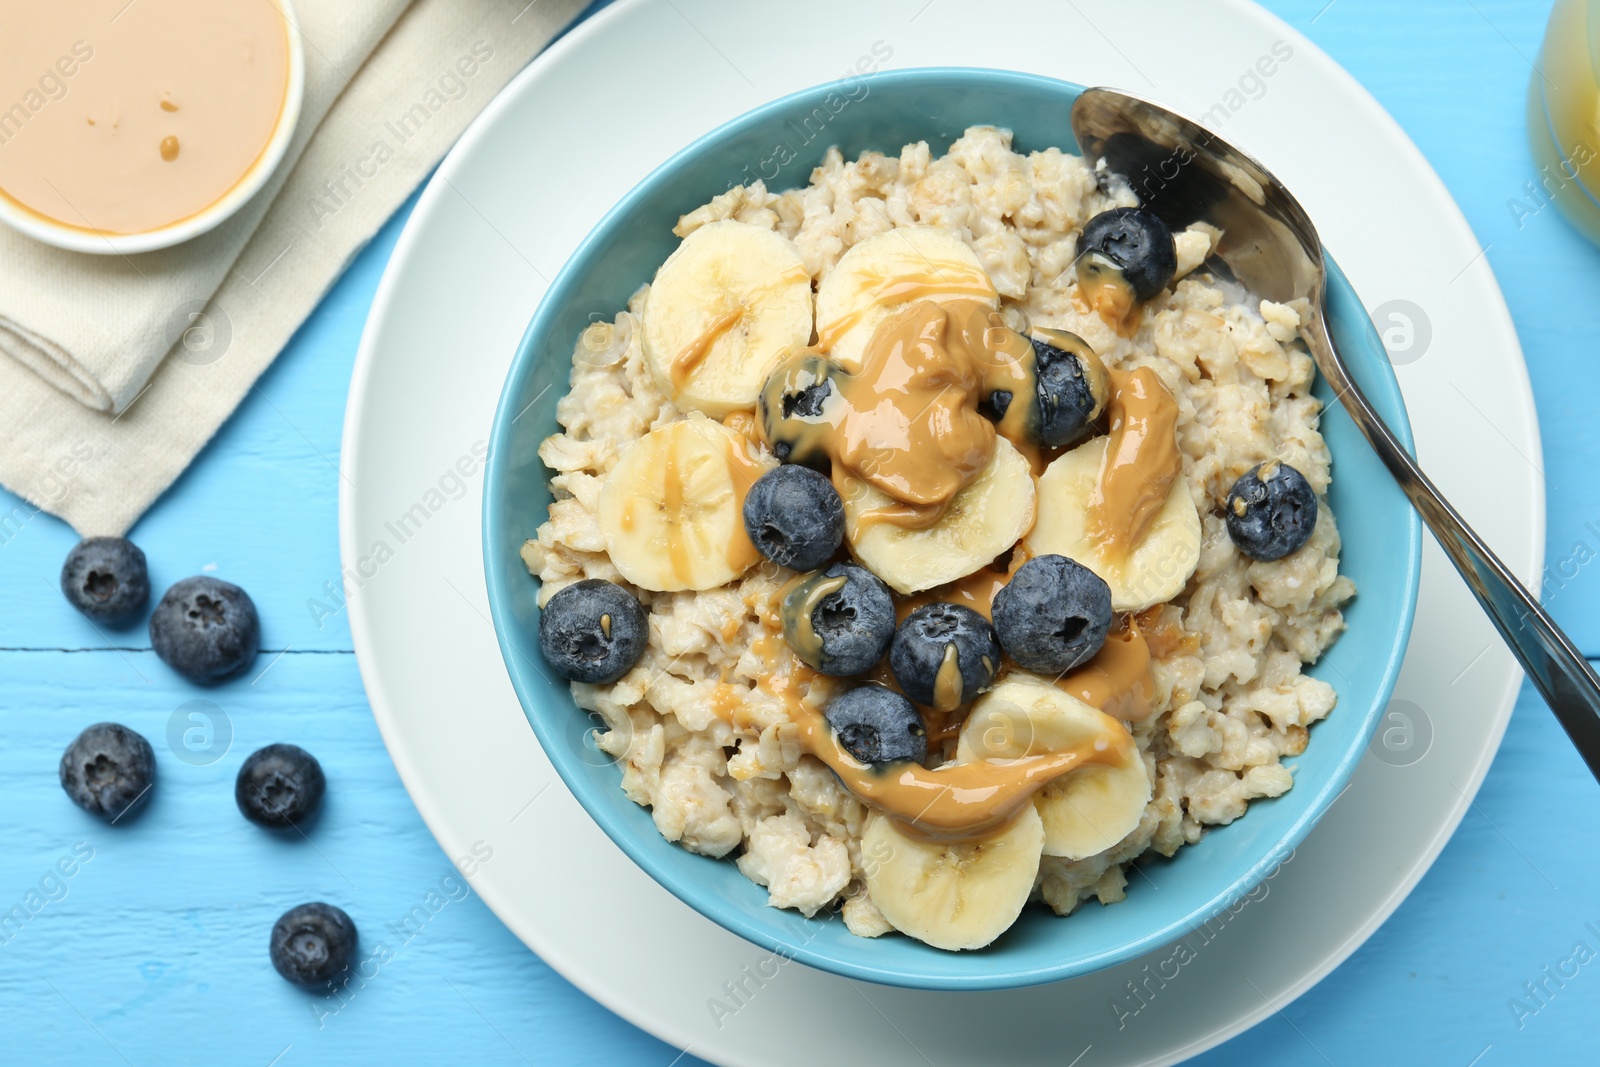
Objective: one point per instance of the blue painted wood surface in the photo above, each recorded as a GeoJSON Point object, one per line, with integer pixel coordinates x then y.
{"type": "Point", "coordinates": [154, 951]}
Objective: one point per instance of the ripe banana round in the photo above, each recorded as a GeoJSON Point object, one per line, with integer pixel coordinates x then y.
{"type": "Point", "coordinates": [671, 510]}
{"type": "Point", "coordinates": [983, 520]}
{"type": "Point", "coordinates": [1085, 811]}
{"type": "Point", "coordinates": [952, 895]}
{"type": "Point", "coordinates": [1159, 565]}
{"type": "Point", "coordinates": [724, 309]}
{"type": "Point", "coordinates": [887, 271]}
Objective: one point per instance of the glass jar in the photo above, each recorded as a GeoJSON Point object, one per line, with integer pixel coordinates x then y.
{"type": "Point", "coordinates": [1564, 119]}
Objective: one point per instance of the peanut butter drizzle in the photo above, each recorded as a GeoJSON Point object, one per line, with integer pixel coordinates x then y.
{"type": "Point", "coordinates": [1103, 289]}
{"type": "Point", "coordinates": [605, 625]}
{"type": "Point", "coordinates": [695, 352]}
{"type": "Point", "coordinates": [956, 802]}
{"type": "Point", "coordinates": [727, 701]}
{"type": "Point", "coordinates": [801, 597]}
{"type": "Point", "coordinates": [1163, 634]}
{"type": "Point", "coordinates": [1141, 460]}
{"type": "Point", "coordinates": [1118, 679]}
{"type": "Point", "coordinates": [672, 497]}
{"type": "Point", "coordinates": [907, 422]}
{"type": "Point", "coordinates": [947, 682]}
{"type": "Point", "coordinates": [959, 280]}
{"type": "Point", "coordinates": [743, 423]}
{"type": "Point", "coordinates": [744, 471]}
{"type": "Point", "coordinates": [976, 591]}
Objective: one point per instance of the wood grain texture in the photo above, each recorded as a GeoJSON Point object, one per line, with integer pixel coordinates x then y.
{"type": "Point", "coordinates": [156, 952]}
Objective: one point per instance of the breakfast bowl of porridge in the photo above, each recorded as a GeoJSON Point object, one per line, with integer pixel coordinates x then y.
{"type": "Point", "coordinates": [921, 559]}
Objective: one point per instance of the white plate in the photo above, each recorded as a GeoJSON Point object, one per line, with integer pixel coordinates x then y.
{"type": "Point", "coordinates": [567, 139]}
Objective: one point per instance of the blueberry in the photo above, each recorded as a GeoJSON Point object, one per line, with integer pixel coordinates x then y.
{"type": "Point", "coordinates": [205, 629]}
{"type": "Point", "coordinates": [794, 517]}
{"type": "Point", "coordinates": [1053, 615]}
{"type": "Point", "coordinates": [312, 945]}
{"type": "Point", "coordinates": [107, 769]}
{"type": "Point", "coordinates": [1271, 511]}
{"type": "Point", "coordinates": [279, 786]}
{"type": "Point", "coordinates": [593, 631]}
{"type": "Point", "coordinates": [878, 725]}
{"type": "Point", "coordinates": [106, 579]}
{"type": "Point", "coordinates": [1070, 385]}
{"type": "Point", "coordinates": [944, 655]}
{"type": "Point", "coordinates": [793, 408]}
{"type": "Point", "coordinates": [1138, 243]}
{"type": "Point", "coordinates": [839, 620]}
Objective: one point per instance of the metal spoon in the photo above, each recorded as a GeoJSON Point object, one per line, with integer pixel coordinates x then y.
{"type": "Point", "coordinates": [1185, 173]}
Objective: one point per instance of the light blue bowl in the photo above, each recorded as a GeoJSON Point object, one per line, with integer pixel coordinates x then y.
{"type": "Point", "coordinates": [1382, 550]}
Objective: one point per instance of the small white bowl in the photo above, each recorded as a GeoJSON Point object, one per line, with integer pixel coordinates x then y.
{"type": "Point", "coordinates": [81, 239]}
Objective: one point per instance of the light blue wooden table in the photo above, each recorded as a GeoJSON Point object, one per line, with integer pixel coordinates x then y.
{"type": "Point", "coordinates": [154, 952]}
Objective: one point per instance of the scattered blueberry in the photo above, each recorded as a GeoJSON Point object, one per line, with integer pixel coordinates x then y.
{"type": "Point", "coordinates": [839, 629]}
{"type": "Point", "coordinates": [878, 725]}
{"type": "Point", "coordinates": [106, 579]}
{"type": "Point", "coordinates": [1070, 385]}
{"type": "Point", "coordinates": [107, 769]}
{"type": "Point", "coordinates": [1138, 243]}
{"type": "Point", "coordinates": [794, 517]}
{"type": "Point", "coordinates": [1053, 615]}
{"type": "Point", "coordinates": [593, 631]}
{"type": "Point", "coordinates": [792, 408]}
{"type": "Point", "coordinates": [312, 945]}
{"type": "Point", "coordinates": [944, 655]}
{"type": "Point", "coordinates": [205, 629]}
{"type": "Point", "coordinates": [279, 786]}
{"type": "Point", "coordinates": [1271, 511]}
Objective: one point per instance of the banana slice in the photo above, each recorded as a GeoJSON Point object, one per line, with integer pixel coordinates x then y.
{"type": "Point", "coordinates": [951, 895]}
{"type": "Point", "coordinates": [724, 308]}
{"type": "Point", "coordinates": [1085, 811]}
{"type": "Point", "coordinates": [887, 271]}
{"type": "Point", "coordinates": [982, 521]}
{"type": "Point", "coordinates": [1157, 568]}
{"type": "Point", "coordinates": [671, 510]}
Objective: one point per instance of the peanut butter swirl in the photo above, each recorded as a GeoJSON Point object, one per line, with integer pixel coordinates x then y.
{"type": "Point", "coordinates": [907, 422]}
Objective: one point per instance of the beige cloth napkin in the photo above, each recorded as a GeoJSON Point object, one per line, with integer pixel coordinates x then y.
{"type": "Point", "coordinates": [115, 371]}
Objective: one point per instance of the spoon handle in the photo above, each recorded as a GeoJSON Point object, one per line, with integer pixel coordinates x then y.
{"type": "Point", "coordinates": [1560, 673]}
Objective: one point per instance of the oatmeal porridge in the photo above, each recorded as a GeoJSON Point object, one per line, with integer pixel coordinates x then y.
{"type": "Point", "coordinates": [941, 536]}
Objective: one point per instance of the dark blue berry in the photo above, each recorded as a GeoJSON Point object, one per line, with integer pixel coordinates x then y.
{"type": "Point", "coordinates": [1271, 511]}
{"type": "Point", "coordinates": [593, 631]}
{"type": "Point", "coordinates": [107, 770]}
{"type": "Point", "coordinates": [279, 786]}
{"type": "Point", "coordinates": [944, 655]}
{"type": "Point", "coordinates": [793, 408]}
{"type": "Point", "coordinates": [1138, 243]}
{"type": "Point", "coordinates": [840, 620]}
{"type": "Point", "coordinates": [312, 945]}
{"type": "Point", "coordinates": [106, 579]}
{"type": "Point", "coordinates": [206, 629]}
{"type": "Point", "coordinates": [1053, 615]}
{"type": "Point", "coordinates": [878, 725]}
{"type": "Point", "coordinates": [794, 517]}
{"type": "Point", "coordinates": [1070, 386]}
